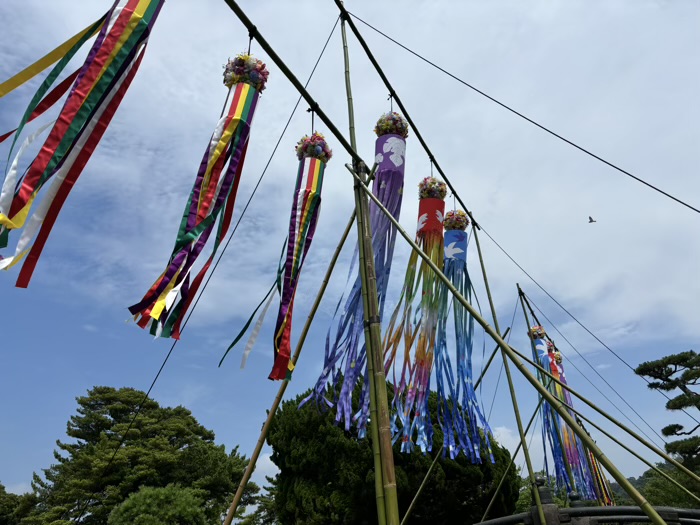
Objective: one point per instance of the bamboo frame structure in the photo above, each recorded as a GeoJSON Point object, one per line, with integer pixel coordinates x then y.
{"type": "Point", "coordinates": [370, 280]}
{"type": "Point", "coordinates": [511, 387]}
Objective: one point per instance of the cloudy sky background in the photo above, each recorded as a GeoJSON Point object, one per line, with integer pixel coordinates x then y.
{"type": "Point", "coordinates": [620, 78]}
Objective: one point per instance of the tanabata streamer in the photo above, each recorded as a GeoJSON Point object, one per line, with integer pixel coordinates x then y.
{"type": "Point", "coordinates": [212, 199]}
{"type": "Point", "coordinates": [575, 468]}
{"type": "Point", "coordinates": [313, 153]}
{"type": "Point", "coordinates": [345, 360]}
{"type": "Point", "coordinates": [98, 88]}
{"type": "Point", "coordinates": [416, 327]}
{"type": "Point", "coordinates": [459, 413]}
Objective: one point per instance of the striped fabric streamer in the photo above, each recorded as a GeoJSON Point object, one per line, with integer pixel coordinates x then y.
{"type": "Point", "coordinates": [416, 327]}
{"type": "Point", "coordinates": [94, 98]}
{"type": "Point", "coordinates": [459, 413]}
{"type": "Point", "coordinates": [345, 360]}
{"type": "Point", "coordinates": [575, 469]}
{"type": "Point", "coordinates": [212, 198]}
{"type": "Point", "coordinates": [302, 225]}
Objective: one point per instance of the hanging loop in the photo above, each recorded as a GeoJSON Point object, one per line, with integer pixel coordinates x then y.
{"type": "Point", "coordinates": [313, 113]}
{"type": "Point", "coordinates": [390, 98]}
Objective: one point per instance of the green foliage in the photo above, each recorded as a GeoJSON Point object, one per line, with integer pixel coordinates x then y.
{"type": "Point", "coordinates": [171, 505]}
{"type": "Point", "coordinates": [678, 371]}
{"type": "Point", "coordinates": [164, 446]}
{"type": "Point", "coordinates": [660, 491]}
{"type": "Point", "coordinates": [326, 476]}
{"type": "Point", "coordinates": [14, 507]}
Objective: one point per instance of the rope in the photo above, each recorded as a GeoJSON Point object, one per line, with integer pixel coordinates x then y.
{"type": "Point", "coordinates": [527, 301]}
{"type": "Point", "coordinates": [528, 119]}
{"type": "Point", "coordinates": [216, 264]}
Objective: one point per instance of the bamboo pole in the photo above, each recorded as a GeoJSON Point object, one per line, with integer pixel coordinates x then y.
{"type": "Point", "coordinates": [607, 416]}
{"type": "Point", "coordinates": [512, 461]}
{"type": "Point", "coordinates": [248, 472]}
{"type": "Point", "coordinates": [422, 486]}
{"type": "Point", "coordinates": [374, 428]}
{"type": "Point", "coordinates": [638, 456]}
{"type": "Point", "coordinates": [567, 465]}
{"type": "Point", "coordinates": [513, 356]}
{"type": "Point", "coordinates": [374, 353]}
{"type": "Point", "coordinates": [523, 437]}
{"type": "Point", "coordinates": [488, 363]}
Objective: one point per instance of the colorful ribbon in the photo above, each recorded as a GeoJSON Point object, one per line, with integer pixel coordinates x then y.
{"type": "Point", "coordinates": [213, 196]}
{"type": "Point", "coordinates": [94, 98]}
{"type": "Point", "coordinates": [459, 412]}
{"type": "Point", "coordinates": [417, 328]}
{"type": "Point", "coordinates": [345, 360]}
{"type": "Point", "coordinates": [302, 225]}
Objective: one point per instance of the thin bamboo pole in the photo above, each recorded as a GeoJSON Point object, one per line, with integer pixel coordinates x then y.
{"type": "Point", "coordinates": [422, 486]}
{"type": "Point", "coordinates": [374, 428]}
{"type": "Point", "coordinates": [283, 386]}
{"type": "Point", "coordinates": [639, 457]}
{"type": "Point", "coordinates": [512, 461]}
{"type": "Point", "coordinates": [607, 416]}
{"type": "Point", "coordinates": [511, 387]}
{"type": "Point", "coordinates": [567, 465]}
{"type": "Point", "coordinates": [513, 356]}
{"type": "Point", "coordinates": [488, 363]}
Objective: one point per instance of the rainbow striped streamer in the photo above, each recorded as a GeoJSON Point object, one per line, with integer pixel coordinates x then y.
{"type": "Point", "coordinates": [96, 93]}
{"type": "Point", "coordinates": [575, 468]}
{"type": "Point", "coordinates": [302, 225]}
{"type": "Point", "coordinates": [459, 412]}
{"type": "Point", "coordinates": [212, 198]}
{"type": "Point", "coordinates": [418, 308]}
{"type": "Point", "coordinates": [345, 360]}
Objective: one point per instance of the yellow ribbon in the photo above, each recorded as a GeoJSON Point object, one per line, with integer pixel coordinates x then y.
{"type": "Point", "coordinates": [40, 65]}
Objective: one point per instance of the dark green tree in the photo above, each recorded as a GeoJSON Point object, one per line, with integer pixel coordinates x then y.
{"type": "Point", "coordinates": [326, 475]}
{"type": "Point", "coordinates": [164, 446]}
{"type": "Point", "coordinates": [171, 505]}
{"type": "Point", "coordinates": [681, 372]}
{"type": "Point", "coordinates": [14, 507]}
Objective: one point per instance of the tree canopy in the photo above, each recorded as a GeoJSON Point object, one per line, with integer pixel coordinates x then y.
{"type": "Point", "coordinates": [681, 372]}
{"type": "Point", "coordinates": [165, 447]}
{"type": "Point", "coordinates": [171, 505]}
{"type": "Point", "coordinates": [326, 476]}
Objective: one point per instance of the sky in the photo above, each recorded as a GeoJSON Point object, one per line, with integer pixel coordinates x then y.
{"type": "Point", "coordinates": [619, 78]}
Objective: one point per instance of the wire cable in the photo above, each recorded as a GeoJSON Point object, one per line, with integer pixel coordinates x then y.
{"type": "Point", "coordinates": [502, 364]}
{"type": "Point", "coordinates": [204, 287]}
{"type": "Point", "coordinates": [528, 119]}
{"type": "Point", "coordinates": [585, 376]}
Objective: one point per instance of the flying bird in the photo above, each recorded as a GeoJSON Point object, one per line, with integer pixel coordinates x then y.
{"type": "Point", "coordinates": [591, 219]}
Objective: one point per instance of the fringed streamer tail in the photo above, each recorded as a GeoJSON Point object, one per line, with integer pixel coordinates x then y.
{"type": "Point", "coordinates": [95, 96]}
{"type": "Point", "coordinates": [302, 225]}
{"type": "Point", "coordinates": [575, 469]}
{"type": "Point", "coordinates": [345, 360]}
{"type": "Point", "coordinates": [459, 412]}
{"type": "Point", "coordinates": [212, 198]}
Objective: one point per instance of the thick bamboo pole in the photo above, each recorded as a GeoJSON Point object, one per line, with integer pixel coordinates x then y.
{"type": "Point", "coordinates": [567, 465]}
{"type": "Point", "coordinates": [380, 418]}
{"type": "Point", "coordinates": [548, 397]}
{"type": "Point", "coordinates": [511, 387]}
{"type": "Point", "coordinates": [374, 427]}
{"type": "Point", "coordinates": [607, 416]}
{"type": "Point", "coordinates": [639, 457]}
{"type": "Point", "coordinates": [512, 461]}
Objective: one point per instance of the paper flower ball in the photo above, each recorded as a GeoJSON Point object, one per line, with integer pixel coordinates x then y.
{"type": "Point", "coordinates": [314, 146]}
{"type": "Point", "coordinates": [432, 188]}
{"type": "Point", "coordinates": [456, 220]}
{"type": "Point", "coordinates": [246, 68]}
{"type": "Point", "coordinates": [537, 332]}
{"type": "Point", "coordinates": [391, 124]}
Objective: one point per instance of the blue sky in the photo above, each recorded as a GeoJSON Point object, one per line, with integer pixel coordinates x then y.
{"type": "Point", "coordinates": [620, 78]}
